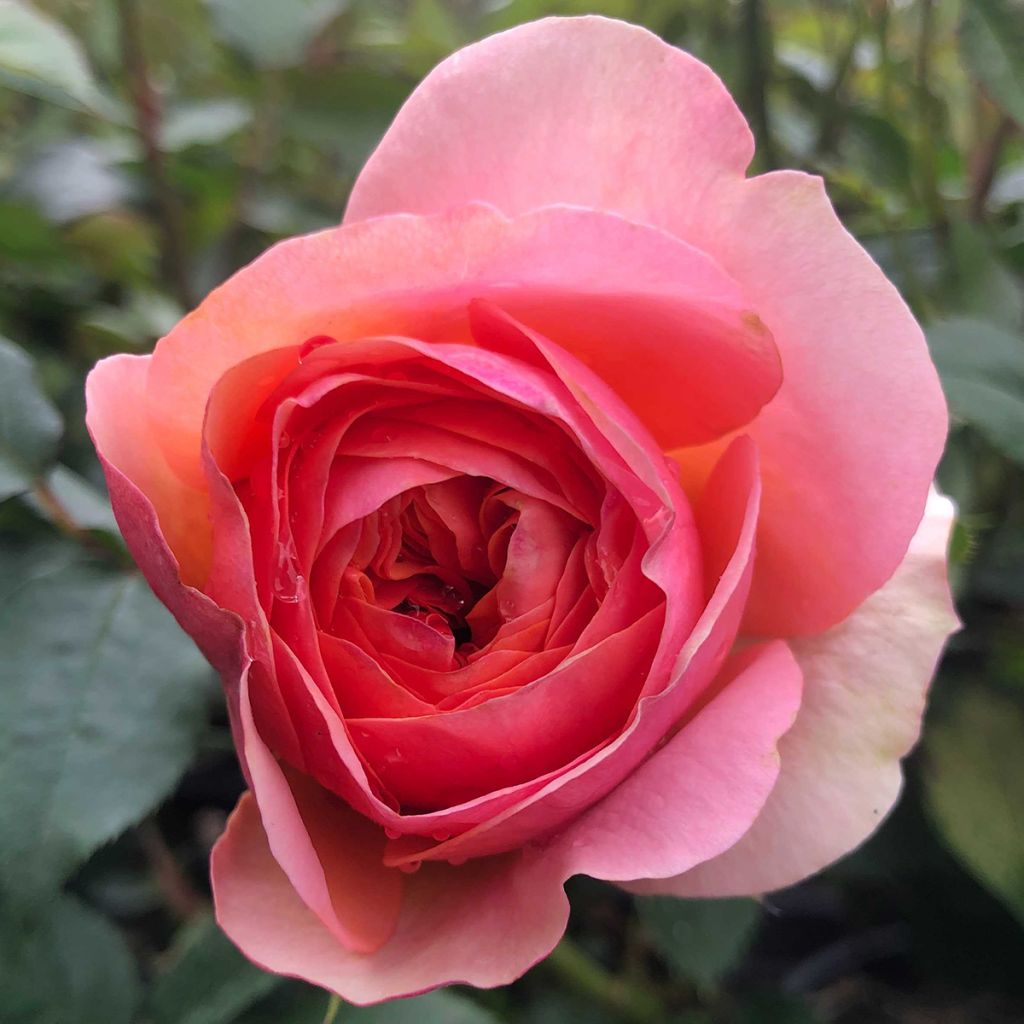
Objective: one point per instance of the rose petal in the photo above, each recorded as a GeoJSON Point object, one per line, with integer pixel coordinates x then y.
{"type": "Point", "coordinates": [481, 924]}
{"type": "Point", "coordinates": [702, 791]}
{"type": "Point", "coordinates": [604, 115]}
{"type": "Point", "coordinates": [864, 690]}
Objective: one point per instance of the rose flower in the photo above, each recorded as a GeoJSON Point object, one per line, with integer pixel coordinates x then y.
{"type": "Point", "coordinates": [566, 510]}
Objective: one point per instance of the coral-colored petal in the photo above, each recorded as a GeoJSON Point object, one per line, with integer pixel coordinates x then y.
{"type": "Point", "coordinates": [415, 276]}
{"type": "Point", "coordinates": [864, 689]}
{"type": "Point", "coordinates": [484, 923]}
{"type": "Point", "coordinates": [331, 854]}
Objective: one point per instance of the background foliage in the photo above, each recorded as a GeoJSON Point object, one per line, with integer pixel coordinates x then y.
{"type": "Point", "coordinates": [149, 149]}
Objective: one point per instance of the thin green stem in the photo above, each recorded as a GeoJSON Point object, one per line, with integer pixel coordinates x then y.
{"type": "Point", "coordinates": [578, 972]}
{"type": "Point", "coordinates": [333, 1006]}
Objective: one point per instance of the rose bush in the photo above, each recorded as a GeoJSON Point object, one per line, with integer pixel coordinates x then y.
{"type": "Point", "coordinates": [566, 510]}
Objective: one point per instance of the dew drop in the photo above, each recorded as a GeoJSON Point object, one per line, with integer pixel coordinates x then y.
{"type": "Point", "coordinates": [456, 862]}
{"type": "Point", "coordinates": [392, 833]}
{"type": "Point", "coordinates": [284, 439]}
{"type": "Point", "coordinates": [289, 583]}
{"type": "Point", "coordinates": [410, 867]}
{"type": "Point", "coordinates": [440, 835]}
{"type": "Point", "coordinates": [312, 344]}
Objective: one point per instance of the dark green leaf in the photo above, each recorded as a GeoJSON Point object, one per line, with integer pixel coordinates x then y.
{"type": "Point", "coordinates": [974, 785]}
{"type": "Point", "coordinates": [433, 1008]}
{"type": "Point", "coordinates": [208, 981]}
{"type": "Point", "coordinates": [102, 700]}
{"type": "Point", "coordinates": [30, 426]}
{"type": "Point", "coordinates": [992, 35]}
{"type": "Point", "coordinates": [981, 284]}
{"type": "Point", "coordinates": [701, 939]}
{"type": "Point", "coordinates": [982, 371]}
{"type": "Point", "coordinates": [64, 965]}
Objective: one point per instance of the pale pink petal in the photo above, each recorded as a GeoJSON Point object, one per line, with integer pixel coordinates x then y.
{"type": "Point", "coordinates": [864, 689]}
{"type": "Point", "coordinates": [484, 923]}
{"type": "Point", "coordinates": [695, 797]}
{"type": "Point", "coordinates": [582, 110]}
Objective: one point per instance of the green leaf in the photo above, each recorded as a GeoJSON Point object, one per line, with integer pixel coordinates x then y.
{"type": "Point", "coordinates": [39, 56]}
{"type": "Point", "coordinates": [208, 981]}
{"type": "Point", "coordinates": [65, 965]}
{"type": "Point", "coordinates": [30, 426]}
{"type": "Point", "coordinates": [102, 701]}
{"type": "Point", "coordinates": [992, 40]}
{"type": "Point", "coordinates": [974, 789]}
{"type": "Point", "coordinates": [87, 507]}
{"type": "Point", "coordinates": [273, 35]}
{"type": "Point", "coordinates": [982, 371]}
{"type": "Point", "coordinates": [980, 284]}
{"type": "Point", "coordinates": [202, 124]}
{"type": "Point", "coordinates": [701, 939]}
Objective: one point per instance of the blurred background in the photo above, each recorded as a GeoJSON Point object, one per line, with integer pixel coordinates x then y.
{"type": "Point", "coordinates": [149, 149]}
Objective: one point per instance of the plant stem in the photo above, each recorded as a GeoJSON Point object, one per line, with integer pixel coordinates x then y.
{"type": "Point", "coordinates": [180, 897]}
{"type": "Point", "coordinates": [146, 105]}
{"type": "Point", "coordinates": [579, 973]}
{"type": "Point", "coordinates": [926, 116]}
{"type": "Point", "coordinates": [55, 509]}
{"type": "Point", "coordinates": [984, 163]}
{"type": "Point", "coordinates": [333, 1006]}
{"type": "Point", "coordinates": [757, 59]}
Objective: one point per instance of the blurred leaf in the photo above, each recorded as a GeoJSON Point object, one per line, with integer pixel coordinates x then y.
{"type": "Point", "coordinates": [66, 965]}
{"type": "Point", "coordinates": [121, 246]}
{"type": "Point", "coordinates": [433, 1008]}
{"type": "Point", "coordinates": [981, 284]}
{"type": "Point", "coordinates": [72, 179]}
{"type": "Point", "coordinates": [89, 508]}
{"type": "Point", "coordinates": [27, 235]}
{"type": "Point", "coordinates": [208, 980]}
{"type": "Point", "coordinates": [974, 787]}
{"type": "Point", "coordinates": [273, 35]}
{"type": "Point", "coordinates": [775, 1008]}
{"type": "Point", "coordinates": [878, 149]}
{"type": "Point", "coordinates": [203, 124]}
{"type": "Point", "coordinates": [102, 700]}
{"type": "Point", "coordinates": [992, 41]}
{"type": "Point", "coordinates": [39, 56]}
{"type": "Point", "coordinates": [701, 939]}
{"type": "Point", "coordinates": [982, 371]}
{"type": "Point", "coordinates": [30, 426]}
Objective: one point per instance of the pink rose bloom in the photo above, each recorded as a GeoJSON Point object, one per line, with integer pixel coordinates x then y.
{"type": "Point", "coordinates": [566, 510]}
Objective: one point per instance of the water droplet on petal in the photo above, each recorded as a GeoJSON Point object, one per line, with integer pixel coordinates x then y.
{"type": "Point", "coordinates": [410, 867]}
{"type": "Point", "coordinates": [457, 862]}
{"type": "Point", "coordinates": [440, 835]}
{"type": "Point", "coordinates": [392, 833]}
{"type": "Point", "coordinates": [289, 583]}
{"type": "Point", "coordinates": [284, 439]}
{"type": "Point", "coordinates": [312, 344]}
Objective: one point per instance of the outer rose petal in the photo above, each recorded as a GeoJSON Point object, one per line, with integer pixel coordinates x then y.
{"type": "Point", "coordinates": [415, 276]}
{"type": "Point", "coordinates": [482, 924]}
{"type": "Point", "coordinates": [485, 922]}
{"type": "Point", "coordinates": [696, 796]}
{"type": "Point", "coordinates": [865, 685]}
{"type": "Point", "coordinates": [601, 114]}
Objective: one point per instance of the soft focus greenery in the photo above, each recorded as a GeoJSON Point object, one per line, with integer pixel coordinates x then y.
{"type": "Point", "coordinates": [147, 150]}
